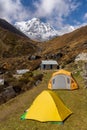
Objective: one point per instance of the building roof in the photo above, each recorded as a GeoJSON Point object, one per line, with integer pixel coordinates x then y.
{"type": "Point", "coordinates": [50, 62]}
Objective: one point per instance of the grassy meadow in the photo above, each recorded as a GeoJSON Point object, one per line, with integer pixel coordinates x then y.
{"type": "Point", "coordinates": [75, 100]}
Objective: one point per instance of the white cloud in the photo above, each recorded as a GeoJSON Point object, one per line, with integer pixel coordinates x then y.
{"type": "Point", "coordinates": [12, 10]}
{"type": "Point", "coordinates": [85, 16]}
{"type": "Point", "coordinates": [66, 29]}
{"type": "Point", "coordinates": [55, 10]}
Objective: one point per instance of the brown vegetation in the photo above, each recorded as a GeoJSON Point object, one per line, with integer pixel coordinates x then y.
{"type": "Point", "coordinates": [69, 45]}
{"type": "Point", "coordinates": [15, 46]}
{"type": "Point", "coordinates": [15, 86]}
{"type": "Point", "coordinates": [19, 52]}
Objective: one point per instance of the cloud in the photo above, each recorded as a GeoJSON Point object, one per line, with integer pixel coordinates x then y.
{"type": "Point", "coordinates": [55, 11]}
{"type": "Point", "coordinates": [12, 10]}
{"type": "Point", "coordinates": [66, 29]}
{"type": "Point", "coordinates": [85, 16]}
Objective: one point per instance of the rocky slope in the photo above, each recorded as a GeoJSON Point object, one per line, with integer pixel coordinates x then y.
{"type": "Point", "coordinates": [15, 47]}
{"type": "Point", "coordinates": [65, 48]}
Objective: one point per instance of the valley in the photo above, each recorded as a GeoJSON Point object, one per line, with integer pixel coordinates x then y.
{"type": "Point", "coordinates": [19, 52]}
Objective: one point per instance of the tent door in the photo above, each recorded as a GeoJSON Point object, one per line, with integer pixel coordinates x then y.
{"type": "Point", "coordinates": [61, 82]}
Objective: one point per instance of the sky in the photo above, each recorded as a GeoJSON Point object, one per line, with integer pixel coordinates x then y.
{"type": "Point", "coordinates": [63, 15]}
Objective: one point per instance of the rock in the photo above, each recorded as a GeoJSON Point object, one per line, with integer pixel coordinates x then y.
{"type": "Point", "coordinates": [34, 57]}
{"type": "Point", "coordinates": [8, 93]}
{"type": "Point", "coordinates": [81, 56]}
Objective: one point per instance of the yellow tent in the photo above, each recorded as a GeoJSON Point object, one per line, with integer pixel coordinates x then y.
{"type": "Point", "coordinates": [62, 79]}
{"type": "Point", "coordinates": [47, 107]}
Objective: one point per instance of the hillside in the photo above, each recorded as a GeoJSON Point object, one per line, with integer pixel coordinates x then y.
{"type": "Point", "coordinates": [4, 24]}
{"type": "Point", "coordinates": [14, 46]}
{"type": "Point", "coordinates": [66, 46]}
{"type": "Point", "coordinates": [14, 43]}
{"type": "Point", "coordinates": [74, 100]}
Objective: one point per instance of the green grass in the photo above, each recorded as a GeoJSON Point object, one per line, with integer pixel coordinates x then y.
{"type": "Point", "coordinates": [75, 100]}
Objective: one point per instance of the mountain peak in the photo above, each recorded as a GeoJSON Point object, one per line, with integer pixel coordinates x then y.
{"type": "Point", "coordinates": [35, 19]}
{"type": "Point", "coordinates": [37, 30]}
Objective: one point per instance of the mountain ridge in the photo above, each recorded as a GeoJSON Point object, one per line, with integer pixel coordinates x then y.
{"type": "Point", "coordinates": [36, 30]}
{"type": "Point", "coordinates": [15, 48]}
{"type": "Point", "coordinates": [6, 25]}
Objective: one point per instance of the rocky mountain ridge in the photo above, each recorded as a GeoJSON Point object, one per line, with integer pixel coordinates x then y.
{"type": "Point", "coordinates": [37, 30]}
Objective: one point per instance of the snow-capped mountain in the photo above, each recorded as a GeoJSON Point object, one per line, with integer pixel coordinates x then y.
{"type": "Point", "coordinates": [37, 30]}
